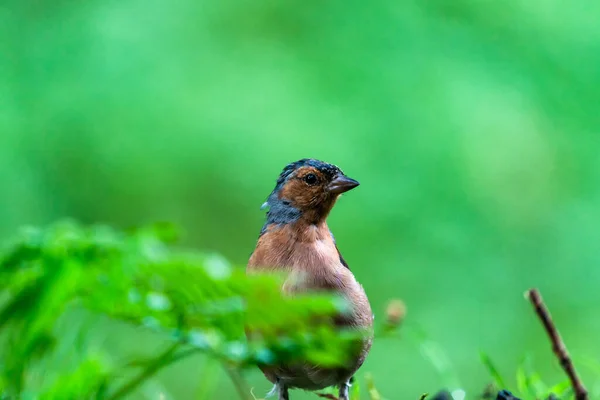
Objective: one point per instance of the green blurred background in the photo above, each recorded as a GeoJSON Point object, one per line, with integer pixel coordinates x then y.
{"type": "Point", "coordinates": [471, 125]}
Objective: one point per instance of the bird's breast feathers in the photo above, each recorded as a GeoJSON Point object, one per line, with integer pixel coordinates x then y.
{"type": "Point", "coordinates": [312, 262]}
{"type": "Point", "coordinates": [309, 251]}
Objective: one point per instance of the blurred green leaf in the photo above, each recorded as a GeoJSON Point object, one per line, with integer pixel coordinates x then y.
{"type": "Point", "coordinates": [529, 382]}
{"type": "Point", "coordinates": [88, 381]}
{"type": "Point", "coordinates": [492, 370]}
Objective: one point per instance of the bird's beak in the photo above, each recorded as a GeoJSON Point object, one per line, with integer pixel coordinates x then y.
{"type": "Point", "coordinates": [341, 184]}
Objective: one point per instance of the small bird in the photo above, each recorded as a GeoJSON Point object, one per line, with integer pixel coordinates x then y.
{"type": "Point", "coordinates": [296, 240]}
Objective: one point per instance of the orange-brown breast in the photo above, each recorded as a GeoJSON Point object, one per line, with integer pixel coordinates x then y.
{"type": "Point", "coordinates": [309, 255]}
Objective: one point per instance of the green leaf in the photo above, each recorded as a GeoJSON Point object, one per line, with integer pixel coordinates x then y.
{"type": "Point", "coordinates": [561, 390]}
{"type": "Point", "coordinates": [492, 370]}
{"type": "Point", "coordinates": [529, 382]}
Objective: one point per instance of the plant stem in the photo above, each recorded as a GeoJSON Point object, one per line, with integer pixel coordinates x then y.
{"type": "Point", "coordinates": [558, 346]}
{"type": "Point", "coordinates": [166, 358]}
{"type": "Point", "coordinates": [209, 380]}
{"type": "Point", "coordinates": [238, 382]}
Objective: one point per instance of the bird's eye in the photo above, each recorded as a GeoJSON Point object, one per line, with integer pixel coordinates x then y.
{"type": "Point", "coordinates": [311, 179]}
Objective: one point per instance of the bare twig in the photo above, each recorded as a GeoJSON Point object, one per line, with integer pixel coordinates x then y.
{"type": "Point", "coordinates": [558, 346]}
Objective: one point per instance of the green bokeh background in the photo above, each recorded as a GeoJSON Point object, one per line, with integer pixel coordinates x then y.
{"type": "Point", "coordinates": [472, 127]}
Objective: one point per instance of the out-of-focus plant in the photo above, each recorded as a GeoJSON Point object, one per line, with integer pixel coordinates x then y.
{"type": "Point", "coordinates": [196, 302]}
{"type": "Point", "coordinates": [529, 384]}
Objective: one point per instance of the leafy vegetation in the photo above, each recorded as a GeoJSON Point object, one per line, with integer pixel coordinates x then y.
{"type": "Point", "coordinates": [195, 303]}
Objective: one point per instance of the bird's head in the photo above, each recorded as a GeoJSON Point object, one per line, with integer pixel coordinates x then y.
{"type": "Point", "coordinates": [307, 189]}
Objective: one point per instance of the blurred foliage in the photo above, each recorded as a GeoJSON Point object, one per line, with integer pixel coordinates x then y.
{"type": "Point", "coordinates": [529, 384]}
{"type": "Point", "coordinates": [471, 125]}
{"type": "Point", "coordinates": [198, 304]}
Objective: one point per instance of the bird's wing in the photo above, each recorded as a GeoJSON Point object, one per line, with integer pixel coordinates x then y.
{"type": "Point", "coordinates": [344, 263]}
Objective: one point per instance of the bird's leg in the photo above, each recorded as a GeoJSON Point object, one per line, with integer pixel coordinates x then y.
{"type": "Point", "coordinates": [283, 392]}
{"type": "Point", "coordinates": [280, 390]}
{"type": "Point", "coordinates": [344, 390]}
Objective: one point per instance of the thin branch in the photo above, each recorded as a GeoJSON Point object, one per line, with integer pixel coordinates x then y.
{"type": "Point", "coordinates": [152, 368]}
{"type": "Point", "coordinates": [558, 346]}
{"type": "Point", "coordinates": [238, 382]}
{"type": "Point", "coordinates": [184, 354]}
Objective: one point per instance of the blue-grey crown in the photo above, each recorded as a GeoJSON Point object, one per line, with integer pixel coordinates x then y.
{"type": "Point", "coordinates": [328, 169]}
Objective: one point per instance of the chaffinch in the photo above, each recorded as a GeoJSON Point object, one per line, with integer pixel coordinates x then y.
{"type": "Point", "coordinates": [296, 240]}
